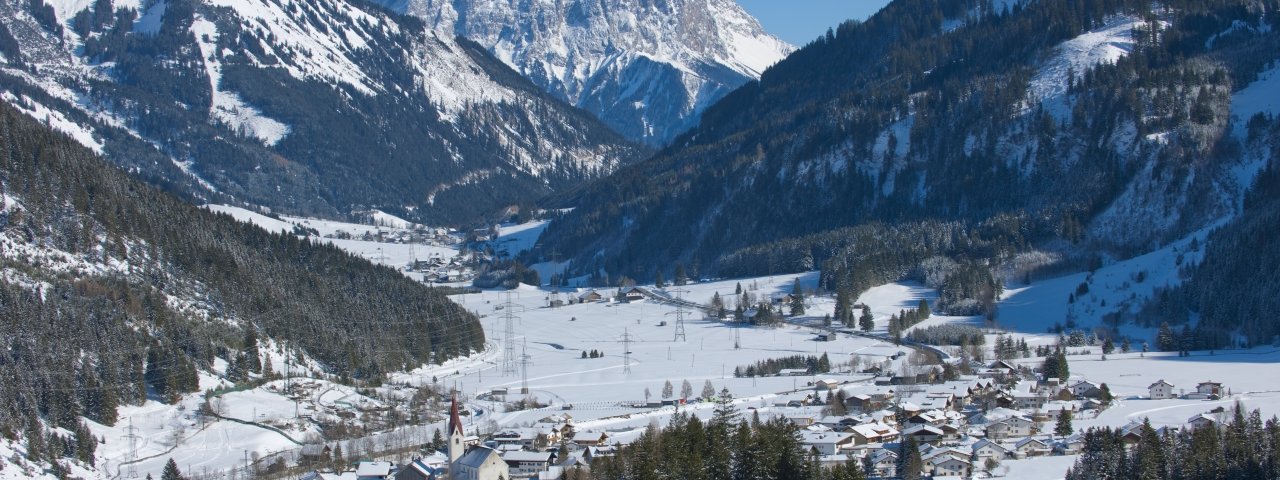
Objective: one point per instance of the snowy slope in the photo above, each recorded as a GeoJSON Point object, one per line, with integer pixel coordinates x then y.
{"type": "Point", "coordinates": [1073, 58]}
{"type": "Point", "coordinates": [647, 70]}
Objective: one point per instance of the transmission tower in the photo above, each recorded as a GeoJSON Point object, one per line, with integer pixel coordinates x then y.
{"type": "Point", "coordinates": [679, 316]}
{"type": "Point", "coordinates": [133, 437]}
{"type": "Point", "coordinates": [509, 352]}
{"type": "Point", "coordinates": [524, 369]}
{"type": "Point", "coordinates": [626, 351]}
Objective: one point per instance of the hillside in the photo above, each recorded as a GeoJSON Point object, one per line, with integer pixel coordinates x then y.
{"type": "Point", "coordinates": [1108, 130]}
{"type": "Point", "coordinates": [315, 108]}
{"type": "Point", "coordinates": [646, 69]}
{"type": "Point", "coordinates": [113, 292]}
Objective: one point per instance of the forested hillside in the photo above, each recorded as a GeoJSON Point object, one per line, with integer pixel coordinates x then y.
{"type": "Point", "coordinates": [112, 291]}
{"type": "Point", "coordinates": [1053, 135]}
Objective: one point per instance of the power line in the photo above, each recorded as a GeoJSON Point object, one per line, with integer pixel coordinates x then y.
{"type": "Point", "coordinates": [679, 313]}
{"type": "Point", "coordinates": [133, 438]}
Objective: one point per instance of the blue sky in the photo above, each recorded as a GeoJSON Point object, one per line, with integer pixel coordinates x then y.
{"type": "Point", "coordinates": [800, 21]}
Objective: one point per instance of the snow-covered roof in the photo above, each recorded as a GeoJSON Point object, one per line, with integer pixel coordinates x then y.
{"type": "Point", "coordinates": [373, 469]}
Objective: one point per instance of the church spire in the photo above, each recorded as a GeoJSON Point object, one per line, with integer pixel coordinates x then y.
{"type": "Point", "coordinates": [455, 422]}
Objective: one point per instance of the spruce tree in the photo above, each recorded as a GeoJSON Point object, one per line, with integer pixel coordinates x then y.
{"type": "Point", "coordinates": [253, 360]}
{"type": "Point", "coordinates": [171, 471]}
{"type": "Point", "coordinates": [866, 322]}
{"type": "Point", "coordinates": [909, 462]}
{"type": "Point", "coordinates": [1063, 427]}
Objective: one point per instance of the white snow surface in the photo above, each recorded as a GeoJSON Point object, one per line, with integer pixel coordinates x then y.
{"type": "Point", "coordinates": [1103, 45]}
{"type": "Point", "coordinates": [1261, 96]}
{"type": "Point", "coordinates": [227, 107]}
{"type": "Point", "coordinates": [54, 119]}
{"type": "Point", "coordinates": [266, 223]}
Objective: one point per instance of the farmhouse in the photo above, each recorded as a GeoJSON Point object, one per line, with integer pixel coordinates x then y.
{"type": "Point", "coordinates": [526, 464]}
{"type": "Point", "coordinates": [1161, 390]}
{"type": "Point", "coordinates": [826, 442]}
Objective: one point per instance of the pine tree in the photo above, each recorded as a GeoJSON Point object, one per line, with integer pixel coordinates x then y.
{"type": "Point", "coordinates": [171, 471]}
{"type": "Point", "coordinates": [658, 281]}
{"type": "Point", "coordinates": [866, 322]}
{"type": "Point", "coordinates": [1064, 372]}
{"type": "Point", "coordinates": [1165, 339]}
{"type": "Point", "coordinates": [909, 462]}
{"type": "Point", "coordinates": [1108, 346]}
{"type": "Point", "coordinates": [923, 309]}
{"type": "Point", "coordinates": [1105, 397]}
{"type": "Point", "coordinates": [1063, 427]}
{"type": "Point", "coordinates": [253, 358]}
{"type": "Point", "coordinates": [797, 299]}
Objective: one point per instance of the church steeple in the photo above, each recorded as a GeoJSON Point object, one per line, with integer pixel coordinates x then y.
{"type": "Point", "coordinates": [456, 437]}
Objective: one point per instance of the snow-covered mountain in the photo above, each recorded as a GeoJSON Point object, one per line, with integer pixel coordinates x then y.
{"type": "Point", "coordinates": [318, 107]}
{"type": "Point", "coordinates": [646, 68]}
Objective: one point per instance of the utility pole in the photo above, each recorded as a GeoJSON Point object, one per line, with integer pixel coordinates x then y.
{"type": "Point", "coordinates": [626, 351]}
{"type": "Point", "coordinates": [132, 437]}
{"type": "Point", "coordinates": [524, 369]}
{"type": "Point", "coordinates": [680, 335]}
{"type": "Point", "coordinates": [509, 352]}
{"type": "Point", "coordinates": [737, 338]}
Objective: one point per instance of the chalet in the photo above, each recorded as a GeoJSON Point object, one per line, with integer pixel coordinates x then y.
{"type": "Point", "coordinates": [632, 294]}
{"type": "Point", "coordinates": [801, 421]}
{"type": "Point", "coordinates": [374, 470]}
{"type": "Point", "coordinates": [929, 417]}
{"type": "Point", "coordinates": [1048, 387]}
{"type": "Point", "coordinates": [590, 296]}
{"type": "Point", "coordinates": [522, 438]}
{"type": "Point", "coordinates": [526, 464]}
{"type": "Point", "coordinates": [1161, 390]}
{"type": "Point", "coordinates": [924, 433]}
{"type": "Point", "coordinates": [874, 433]}
{"type": "Point", "coordinates": [984, 449]}
{"type": "Point", "coordinates": [590, 439]}
{"type": "Point", "coordinates": [1002, 366]}
{"type": "Point", "coordinates": [826, 442]}
{"type": "Point", "coordinates": [1031, 447]}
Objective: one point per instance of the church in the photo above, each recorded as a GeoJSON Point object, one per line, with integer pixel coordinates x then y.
{"type": "Point", "coordinates": [475, 463]}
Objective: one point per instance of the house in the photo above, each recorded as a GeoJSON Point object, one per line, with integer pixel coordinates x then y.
{"type": "Point", "coordinates": [526, 464]}
{"type": "Point", "coordinates": [793, 372]}
{"type": "Point", "coordinates": [1031, 447]}
{"type": "Point", "coordinates": [1161, 390]}
{"type": "Point", "coordinates": [1010, 427]}
{"type": "Point", "coordinates": [947, 465]}
{"type": "Point", "coordinates": [590, 296]}
{"type": "Point", "coordinates": [874, 433]}
{"type": "Point", "coordinates": [590, 439]}
{"type": "Point", "coordinates": [1210, 390]}
{"type": "Point", "coordinates": [924, 433]}
{"type": "Point", "coordinates": [1202, 420]}
{"type": "Point", "coordinates": [433, 467]}
{"type": "Point", "coordinates": [826, 384]}
{"type": "Point", "coordinates": [1086, 389]}
{"type": "Point", "coordinates": [885, 463]}
{"type": "Point", "coordinates": [1070, 445]}
{"type": "Point", "coordinates": [632, 294]}
{"type": "Point", "coordinates": [985, 449]}
{"type": "Point", "coordinates": [1053, 410]}
{"type": "Point", "coordinates": [826, 442]}
{"type": "Point", "coordinates": [374, 470]}
{"type": "Point", "coordinates": [1029, 401]}
{"type": "Point", "coordinates": [314, 453]}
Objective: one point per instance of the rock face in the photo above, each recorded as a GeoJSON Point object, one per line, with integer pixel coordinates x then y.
{"type": "Point", "coordinates": [647, 68]}
{"type": "Point", "coordinates": [316, 107]}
